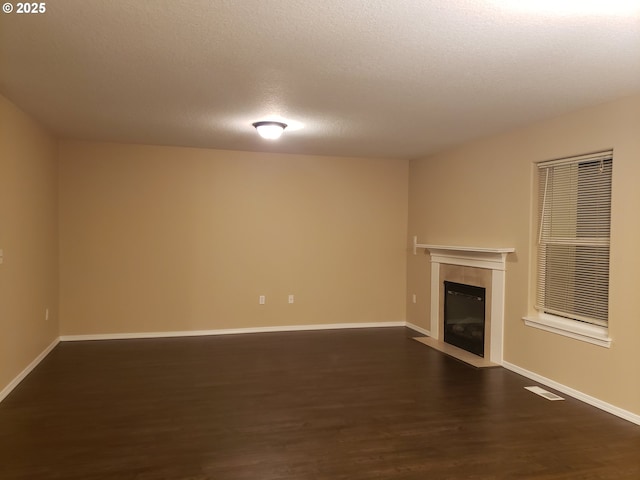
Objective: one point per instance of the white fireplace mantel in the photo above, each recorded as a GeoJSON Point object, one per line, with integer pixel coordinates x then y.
{"type": "Point", "coordinates": [493, 259]}
{"type": "Point", "coordinates": [481, 257]}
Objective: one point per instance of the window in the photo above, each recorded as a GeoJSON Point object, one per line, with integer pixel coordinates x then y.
{"type": "Point", "coordinates": [574, 213]}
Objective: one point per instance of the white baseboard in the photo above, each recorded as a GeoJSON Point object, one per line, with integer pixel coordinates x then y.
{"type": "Point", "coordinates": [418, 329]}
{"type": "Point", "coordinates": [21, 376]}
{"type": "Point", "coordinates": [228, 331]}
{"type": "Point", "coordinates": [607, 407]}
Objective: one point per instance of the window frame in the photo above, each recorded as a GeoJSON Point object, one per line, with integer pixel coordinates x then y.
{"type": "Point", "coordinates": [594, 333]}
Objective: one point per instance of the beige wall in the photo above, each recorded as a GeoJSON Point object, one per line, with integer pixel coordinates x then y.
{"type": "Point", "coordinates": [159, 239]}
{"type": "Point", "coordinates": [29, 239]}
{"type": "Point", "coordinates": [480, 195]}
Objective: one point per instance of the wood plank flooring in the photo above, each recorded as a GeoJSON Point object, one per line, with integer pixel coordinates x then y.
{"type": "Point", "coordinates": [347, 404]}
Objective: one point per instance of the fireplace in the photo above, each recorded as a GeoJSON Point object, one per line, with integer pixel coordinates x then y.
{"type": "Point", "coordinates": [464, 316]}
{"type": "Point", "coordinates": [481, 267]}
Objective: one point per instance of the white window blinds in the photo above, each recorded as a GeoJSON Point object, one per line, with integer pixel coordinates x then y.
{"type": "Point", "coordinates": [574, 211]}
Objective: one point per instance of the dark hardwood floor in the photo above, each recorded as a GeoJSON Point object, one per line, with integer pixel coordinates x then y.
{"type": "Point", "coordinates": [348, 404]}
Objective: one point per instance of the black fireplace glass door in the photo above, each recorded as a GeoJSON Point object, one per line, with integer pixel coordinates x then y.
{"type": "Point", "coordinates": [464, 316]}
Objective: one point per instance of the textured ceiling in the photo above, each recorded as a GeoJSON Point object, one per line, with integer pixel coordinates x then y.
{"type": "Point", "coordinates": [383, 78]}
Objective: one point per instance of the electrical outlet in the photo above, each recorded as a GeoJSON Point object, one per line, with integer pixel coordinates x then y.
{"type": "Point", "coordinates": [262, 299]}
{"type": "Point", "coordinates": [290, 298]}
{"type": "Point", "coordinates": [414, 298]}
{"type": "Point", "coordinates": [46, 314]}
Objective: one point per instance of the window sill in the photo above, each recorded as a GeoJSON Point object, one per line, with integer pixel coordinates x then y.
{"type": "Point", "coordinates": [570, 328]}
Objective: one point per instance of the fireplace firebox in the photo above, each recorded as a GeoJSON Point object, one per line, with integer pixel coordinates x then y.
{"type": "Point", "coordinates": [464, 316]}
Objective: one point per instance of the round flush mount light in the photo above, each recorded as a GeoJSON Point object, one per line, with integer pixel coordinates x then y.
{"type": "Point", "coordinates": [270, 130]}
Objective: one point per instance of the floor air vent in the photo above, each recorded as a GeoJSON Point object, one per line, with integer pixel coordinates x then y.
{"type": "Point", "coordinates": [543, 393]}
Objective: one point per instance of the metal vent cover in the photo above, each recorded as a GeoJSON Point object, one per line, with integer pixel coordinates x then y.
{"type": "Point", "coordinates": [544, 393]}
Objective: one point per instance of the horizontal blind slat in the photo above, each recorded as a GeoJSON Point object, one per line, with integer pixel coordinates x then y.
{"type": "Point", "coordinates": [604, 155]}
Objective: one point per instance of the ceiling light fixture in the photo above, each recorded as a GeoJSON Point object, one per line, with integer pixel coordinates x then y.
{"type": "Point", "coordinates": [270, 130]}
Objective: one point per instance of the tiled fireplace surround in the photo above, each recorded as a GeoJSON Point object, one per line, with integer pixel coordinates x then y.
{"type": "Point", "coordinates": [477, 266]}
